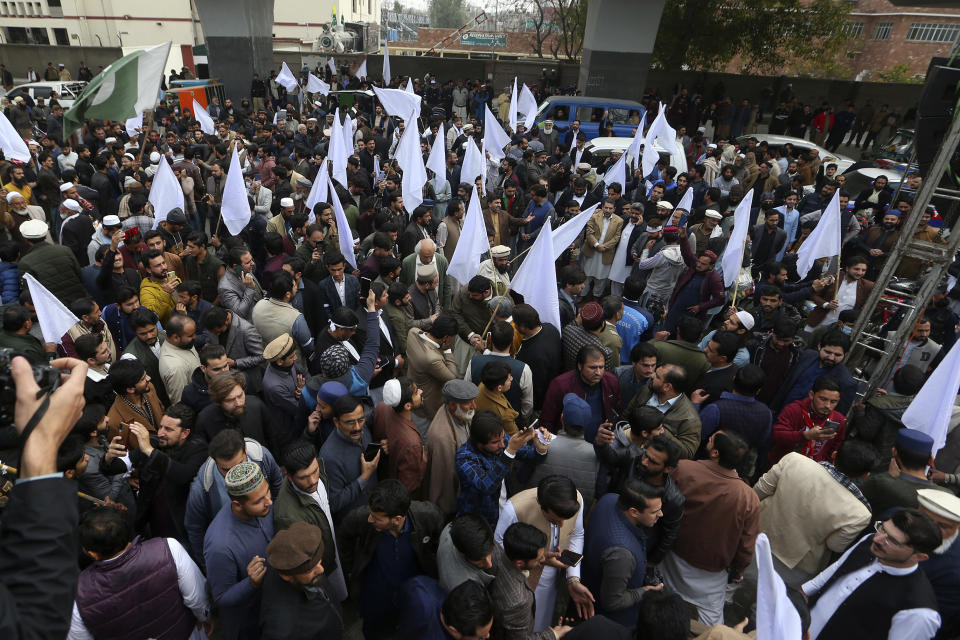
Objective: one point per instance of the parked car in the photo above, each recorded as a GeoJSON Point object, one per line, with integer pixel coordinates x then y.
{"type": "Point", "coordinates": [900, 147]}
{"type": "Point", "coordinates": [563, 110]}
{"type": "Point", "coordinates": [67, 92]}
{"type": "Point", "coordinates": [777, 142]}
{"type": "Point", "coordinates": [603, 148]}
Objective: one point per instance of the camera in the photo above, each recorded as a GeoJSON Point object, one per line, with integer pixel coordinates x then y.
{"type": "Point", "coordinates": [47, 378]}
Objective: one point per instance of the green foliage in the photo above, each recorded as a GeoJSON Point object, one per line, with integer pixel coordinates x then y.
{"type": "Point", "coordinates": [764, 36]}
{"type": "Point", "coordinates": [447, 14]}
{"type": "Point", "coordinates": [898, 73]}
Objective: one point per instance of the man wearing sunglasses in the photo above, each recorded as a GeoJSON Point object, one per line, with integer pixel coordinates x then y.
{"type": "Point", "coordinates": [875, 589]}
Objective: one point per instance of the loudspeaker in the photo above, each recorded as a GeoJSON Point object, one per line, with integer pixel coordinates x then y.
{"type": "Point", "coordinates": [935, 112]}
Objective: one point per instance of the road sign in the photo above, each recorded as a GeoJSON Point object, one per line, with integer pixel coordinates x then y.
{"type": "Point", "coordinates": [483, 39]}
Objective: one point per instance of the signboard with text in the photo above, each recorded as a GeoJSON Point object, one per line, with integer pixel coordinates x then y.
{"type": "Point", "coordinates": [483, 39]}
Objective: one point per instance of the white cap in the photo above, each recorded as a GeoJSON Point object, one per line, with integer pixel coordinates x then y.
{"type": "Point", "coordinates": [65, 186]}
{"type": "Point", "coordinates": [392, 392]}
{"type": "Point", "coordinates": [711, 146]}
{"type": "Point", "coordinates": [14, 195]}
{"type": "Point", "coordinates": [33, 143]}
{"type": "Point", "coordinates": [946, 505]}
{"type": "Point", "coordinates": [286, 202]}
{"type": "Point", "coordinates": [108, 221]}
{"type": "Point", "coordinates": [714, 214]}
{"type": "Point", "coordinates": [154, 157]}
{"type": "Point", "coordinates": [663, 204]}
{"type": "Point", "coordinates": [34, 229]}
{"type": "Point", "coordinates": [110, 140]}
{"type": "Point", "coordinates": [745, 319]}
{"type": "Point", "coordinates": [73, 205]}
{"type": "Point", "coordinates": [129, 180]}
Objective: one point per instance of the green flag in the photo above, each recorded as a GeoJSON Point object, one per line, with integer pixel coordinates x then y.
{"type": "Point", "coordinates": [121, 91]}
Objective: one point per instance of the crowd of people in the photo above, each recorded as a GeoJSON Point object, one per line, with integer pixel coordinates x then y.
{"type": "Point", "coordinates": [269, 442]}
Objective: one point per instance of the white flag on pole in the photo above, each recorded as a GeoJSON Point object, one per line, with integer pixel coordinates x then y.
{"type": "Point", "coordinates": [318, 191]}
{"type": "Point", "coordinates": [932, 407]}
{"type": "Point", "coordinates": [14, 148]}
{"type": "Point", "coordinates": [166, 193]}
{"type": "Point", "coordinates": [437, 161]}
{"type": "Point", "coordinates": [473, 243]}
{"type": "Point", "coordinates": [494, 137]}
{"type": "Point", "coordinates": [634, 149]}
{"type": "Point", "coordinates": [686, 202]}
{"type": "Point", "coordinates": [513, 106]}
{"type": "Point", "coordinates": [386, 64]}
{"type": "Point", "coordinates": [527, 105]}
{"type": "Point", "coordinates": [536, 279]}
{"type": "Point", "coordinates": [397, 102]}
{"type": "Point", "coordinates": [617, 174]}
{"type": "Point", "coordinates": [377, 172]}
{"type": "Point", "coordinates": [332, 65]}
{"type": "Point", "coordinates": [361, 70]}
{"type": "Point", "coordinates": [134, 123]}
{"type": "Point", "coordinates": [732, 258]}
{"type": "Point", "coordinates": [409, 87]}
{"type": "Point", "coordinates": [337, 152]}
{"type": "Point", "coordinates": [473, 161]}
{"type": "Point", "coordinates": [344, 234]}
{"type": "Point", "coordinates": [316, 85]}
{"type": "Point", "coordinates": [567, 233]}
{"type": "Point", "coordinates": [206, 122]}
{"type": "Point", "coordinates": [347, 131]}
{"type": "Point", "coordinates": [234, 207]}
{"type": "Point", "coordinates": [824, 240]}
{"type": "Point", "coordinates": [286, 78]}
{"type": "Point", "coordinates": [411, 161]}
{"type": "Point", "coordinates": [54, 317]}
{"type": "Point", "coordinates": [777, 618]}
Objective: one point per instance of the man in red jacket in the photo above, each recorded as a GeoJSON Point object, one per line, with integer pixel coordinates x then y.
{"type": "Point", "coordinates": [811, 426]}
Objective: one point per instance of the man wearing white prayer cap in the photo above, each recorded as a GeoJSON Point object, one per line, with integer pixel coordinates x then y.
{"type": "Point", "coordinates": [76, 230]}
{"type": "Point", "coordinates": [21, 211]}
{"type": "Point", "coordinates": [496, 269]}
{"type": "Point", "coordinates": [281, 223]}
{"type": "Point", "coordinates": [394, 418]}
{"type": "Point", "coordinates": [54, 266]}
{"type": "Point", "coordinates": [943, 566]}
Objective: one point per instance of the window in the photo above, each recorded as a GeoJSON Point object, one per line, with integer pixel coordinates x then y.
{"type": "Point", "coordinates": [53, 3]}
{"type": "Point", "coordinates": [853, 29]}
{"type": "Point", "coordinates": [39, 35]}
{"type": "Point", "coordinates": [16, 35]}
{"type": "Point", "coordinates": [61, 37]}
{"type": "Point", "coordinates": [881, 30]}
{"type": "Point", "coordinates": [932, 32]}
{"type": "Point", "coordinates": [369, 6]}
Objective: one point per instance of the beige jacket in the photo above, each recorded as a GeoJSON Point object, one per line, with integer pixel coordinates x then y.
{"type": "Point", "coordinates": [610, 238]}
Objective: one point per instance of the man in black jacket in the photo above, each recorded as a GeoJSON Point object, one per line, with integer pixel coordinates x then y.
{"type": "Point", "coordinates": [541, 349]}
{"type": "Point", "coordinates": [167, 463]}
{"type": "Point", "coordinates": [375, 577]}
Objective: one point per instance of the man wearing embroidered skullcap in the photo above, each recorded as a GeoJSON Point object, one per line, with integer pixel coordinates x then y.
{"type": "Point", "coordinates": [234, 548]}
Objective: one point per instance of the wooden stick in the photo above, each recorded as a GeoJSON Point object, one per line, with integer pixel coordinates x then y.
{"type": "Point", "coordinates": [4, 468]}
{"type": "Point", "coordinates": [145, 133]}
{"type": "Point", "coordinates": [521, 253]}
{"type": "Point", "coordinates": [216, 232]}
{"type": "Point", "coordinates": [495, 309]}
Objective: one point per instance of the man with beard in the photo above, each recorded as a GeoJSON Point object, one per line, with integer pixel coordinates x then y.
{"type": "Point", "coordinates": [295, 602]}
{"type": "Point", "coordinates": [942, 568]}
{"type": "Point", "coordinates": [623, 259]}
{"type": "Point", "coordinates": [178, 358]}
{"type": "Point", "coordinates": [448, 432]}
{"type": "Point", "coordinates": [351, 475]}
{"type": "Point", "coordinates": [156, 289]}
{"type": "Point", "coordinates": [496, 269]}
{"type": "Point", "coordinates": [136, 400]}
{"type": "Point", "coordinates": [852, 294]}
{"type": "Point", "coordinates": [213, 360]}
{"type": "Point", "coordinates": [875, 245]}
{"type": "Point", "coordinates": [167, 464]}
{"type": "Point", "coordinates": [232, 408]}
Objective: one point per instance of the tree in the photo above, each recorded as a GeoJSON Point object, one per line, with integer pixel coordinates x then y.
{"type": "Point", "coordinates": [448, 14]}
{"type": "Point", "coordinates": [569, 21]}
{"type": "Point", "coordinates": [763, 36]}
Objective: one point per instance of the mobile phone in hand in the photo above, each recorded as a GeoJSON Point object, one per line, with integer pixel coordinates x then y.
{"type": "Point", "coordinates": [371, 451]}
{"type": "Point", "coordinates": [831, 425]}
{"type": "Point", "coordinates": [570, 558]}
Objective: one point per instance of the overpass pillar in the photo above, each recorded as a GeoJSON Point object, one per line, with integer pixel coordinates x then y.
{"type": "Point", "coordinates": [617, 46]}
{"type": "Point", "coordinates": [239, 36]}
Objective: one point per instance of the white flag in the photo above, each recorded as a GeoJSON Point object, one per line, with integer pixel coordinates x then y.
{"type": "Point", "coordinates": [361, 70]}
{"type": "Point", "coordinates": [377, 173]}
{"type": "Point", "coordinates": [166, 193]}
{"type": "Point", "coordinates": [932, 407]}
{"type": "Point", "coordinates": [409, 87]}
{"type": "Point", "coordinates": [134, 123]}
{"type": "Point", "coordinates": [206, 122]}
{"type": "Point", "coordinates": [54, 317]}
{"type": "Point", "coordinates": [777, 618]}
{"type": "Point", "coordinates": [397, 102]}
{"type": "Point", "coordinates": [316, 85]}
{"type": "Point", "coordinates": [824, 241]}
{"type": "Point", "coordinates": [437, 161]}
{"type": "Point", "coordinates": [732, 258]}
{"type": "Point", "coordinates": [617, 174]}
{"type": "Point", "coordinates": [536, 279]}
{"type": "Point", "coordinates": [386, 65]}
{"type": "Point", "coordinates": [686, 202]}
{"type": "Point", "coordinates": [286, 78]}
{"type": "Point", "coordinates": [634, 149]}
{"type": "Point", "coordinates": [318, 191]}
{"type": "Point", "coordinates": [234, 207]}
{"type": "Point", "coordinates": [473, 162]}
{"type": "Point", "coordinates": [332, 65]}
{"type": "Point", "coordinates": [411, 161]}
{"type": "Point", "coordinates": [513, 106]}
{"type": "Point", "coordinates": [494, 137]}
{"type": "Point", "coordinates": [567, 233]}
{"type": "Point", "coordinates": [337, 152]}
{"type": "Point", "coordinates": [344, 234]}
{"type": "Point", "coordinates": [527, 105]}
{"type": "Point", "coordinates": [472, 244]}
{"type": "Point", "coordinates": [347, 131]}
{"type": "Point", "coordinates": [14, 148]}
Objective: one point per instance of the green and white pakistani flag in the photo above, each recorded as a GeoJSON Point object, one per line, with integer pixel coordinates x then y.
{"type": "Point", "coordinates": [125, 88]}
